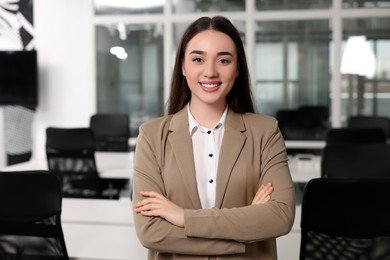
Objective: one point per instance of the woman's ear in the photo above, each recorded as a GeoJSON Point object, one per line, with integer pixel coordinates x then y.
{"type": "Point", "coordinates": [237, 73]}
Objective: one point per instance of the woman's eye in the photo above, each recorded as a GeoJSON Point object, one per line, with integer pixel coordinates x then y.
{"type": "Point", "coordinates": [224, 61]}
{"type": "Point", "coordinates": [197, 60]}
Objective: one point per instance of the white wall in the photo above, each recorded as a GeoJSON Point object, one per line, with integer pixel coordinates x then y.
{"type": "Point", "coordinates": [65, 44]}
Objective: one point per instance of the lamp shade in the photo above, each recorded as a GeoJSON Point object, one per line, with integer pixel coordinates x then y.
{"type": "Point", "coordinates": [358, 57]}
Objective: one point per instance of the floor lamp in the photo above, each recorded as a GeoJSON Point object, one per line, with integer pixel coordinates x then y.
{"type": "Point", "coordinates": [359, 62]}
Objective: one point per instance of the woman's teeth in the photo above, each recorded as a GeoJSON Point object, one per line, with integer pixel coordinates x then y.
{"type": "Point", "coordinates": [210, 85]}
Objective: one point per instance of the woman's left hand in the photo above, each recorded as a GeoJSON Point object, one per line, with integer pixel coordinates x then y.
{"type": "Point", "coordinates": [156, 205]}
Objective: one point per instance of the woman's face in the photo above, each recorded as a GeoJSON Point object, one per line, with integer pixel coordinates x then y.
{"type": "Point", "coordinates": [210, 67]}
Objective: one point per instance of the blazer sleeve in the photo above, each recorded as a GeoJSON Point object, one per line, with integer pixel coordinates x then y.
{"type": "Point", "coordinates": [156, 233]}
{"type": "Point", "coordinates": [253, 222]}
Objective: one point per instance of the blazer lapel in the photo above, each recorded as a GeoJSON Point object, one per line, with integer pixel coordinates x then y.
{"type": "Point", "coordinates": [181, 143]}
{"type": "Point", "coordinates": [232, 144]}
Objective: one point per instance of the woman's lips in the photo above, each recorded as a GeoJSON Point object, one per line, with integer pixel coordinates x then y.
{"type": "Point", "coordinates": [209, 87]}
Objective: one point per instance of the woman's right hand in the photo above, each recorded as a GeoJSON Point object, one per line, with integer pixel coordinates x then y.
{"type": "Point", "coordinates": [263, 194]}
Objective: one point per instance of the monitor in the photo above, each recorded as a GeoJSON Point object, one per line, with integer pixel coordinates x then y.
{"type": "Point", "coordinates": [18, 78]}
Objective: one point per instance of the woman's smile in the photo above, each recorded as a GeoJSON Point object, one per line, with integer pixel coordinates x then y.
{"type": "Point", "coordinates": [210, 86]}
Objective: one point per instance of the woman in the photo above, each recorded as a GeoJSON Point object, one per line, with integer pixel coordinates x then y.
{"type": "Point", "coordinates": [203, 173]}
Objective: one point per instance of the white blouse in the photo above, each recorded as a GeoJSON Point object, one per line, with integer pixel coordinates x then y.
{"type": "Point", "coordinates": [206, 144]}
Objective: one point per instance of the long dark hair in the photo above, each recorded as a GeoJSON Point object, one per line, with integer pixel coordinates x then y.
{"type": "Point", "coordinates": [239, 98]}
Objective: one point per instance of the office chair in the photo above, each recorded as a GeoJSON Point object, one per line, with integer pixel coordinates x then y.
{"type": "Point", "coordinates": [111, 132]}
{"type": "Point", "coordinates": [304, 123]}
{"type": "Point", "coordinates": [370, 122]}
{"type": "Point", "coordinates": [30, 216]}
{"type": "Point", "coordinates": [356, 161]}
{"type": "Point", "coordinates": [345, 219]}
{"type": "Point", "coordinates": [71, 155]}
{"type": "Point", "coordinates": [348, 135]}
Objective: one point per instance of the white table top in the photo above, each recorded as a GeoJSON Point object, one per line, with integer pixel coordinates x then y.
{"type": "Point", "coordinates": [120, 165]}
{"type": "Point", "coordinates": [97, 211]}
{"type": "Point", "coordinates": [100, 229]}
{"type": "Point", "coordinates": [304, 167]}
{"type": "Point", "coordinates": [109, 164]}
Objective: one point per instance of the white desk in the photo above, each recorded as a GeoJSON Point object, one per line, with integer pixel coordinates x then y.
{"type": "Point", "coordinates": [109, 165]}
{"type": "Point", "coordinates": [304, 144]}
{"type": "Point", "coordinates": [120, 165]}
{"type": "Point", "coordinates": [304, 167]}
{"type": "Point", "coordinates": [100, 229]}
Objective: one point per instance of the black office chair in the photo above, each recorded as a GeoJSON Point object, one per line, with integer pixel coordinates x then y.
{"type": "Point", "coordinates": [345, 219]}
{"type": "Point", "coordinates": [370, 122]}
{"type": "Point", "coordinates": [304, 123]}
{"type": "Point", "coordinates": [71, 155]}
{"type": "Point", "coordinates": [30, 216]}
{"type": "Point", "coordinates": [346, 135]}
{"type": "Point", "coordinates": [356, 161]}
{"type": "Point", "coordinates": [111, 132]}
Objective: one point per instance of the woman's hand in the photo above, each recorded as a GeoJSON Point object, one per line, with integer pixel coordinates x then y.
{"type": "Point", "coordinates": [263, 194]}
{"type": "Point", "coordinates": [156, 205]}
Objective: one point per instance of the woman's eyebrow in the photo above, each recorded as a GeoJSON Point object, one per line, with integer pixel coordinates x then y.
{"type": "Point", "coordinates": [221, 53]}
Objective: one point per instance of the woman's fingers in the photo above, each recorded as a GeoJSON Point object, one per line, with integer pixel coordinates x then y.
{"type": "Point", "coordinates": [156, 205]}
{"type": "Point", "coordinates": [152, 201]}
{"type": "Point", "coordinates": [263, 194]}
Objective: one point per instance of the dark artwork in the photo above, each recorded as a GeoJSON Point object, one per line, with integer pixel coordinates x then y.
{"type": "Point", "coordinates": [16, 34]}
{"type": "Point", "coordinates": [16, 25]}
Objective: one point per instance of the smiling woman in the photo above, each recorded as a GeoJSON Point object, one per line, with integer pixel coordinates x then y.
{"type": "Point", "coordinates": [211, 177]}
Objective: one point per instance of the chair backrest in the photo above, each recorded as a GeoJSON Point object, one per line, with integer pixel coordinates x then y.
{"type": "Point", "coordinates": [356, 161]}
{"type": "Point", "coordinates": [71, 155]}
{"type": "Point", "coordinates": [30, 216]}
{"type": "Point", "coordinates": [348, 135]}
{"type": "Point", "coordinates": [111, 132]}
{"type": "Point", "coordinates": [345, 219]}
{"type": "Point", "coordinates": [370, 122]}
{"type": "Point", "coordinates": [304, 123]}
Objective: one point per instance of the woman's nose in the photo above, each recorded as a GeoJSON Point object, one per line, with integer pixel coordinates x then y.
{"type": "Point", "coordinates": [210, 70]}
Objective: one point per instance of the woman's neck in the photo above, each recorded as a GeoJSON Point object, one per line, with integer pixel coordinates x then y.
{"type": "Point", "coordinates": [207, 116]}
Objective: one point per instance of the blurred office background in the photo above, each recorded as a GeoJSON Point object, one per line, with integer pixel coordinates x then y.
{"type": "Point", "coordinates": [110, 56]}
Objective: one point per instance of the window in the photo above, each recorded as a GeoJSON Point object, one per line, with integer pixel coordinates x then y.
{"type": "Point", "coordinates": [294, 50]}
{"type": "Point", "coordinates": [366, 92]}
{"type": "Point", "coordinates": [130, 71]}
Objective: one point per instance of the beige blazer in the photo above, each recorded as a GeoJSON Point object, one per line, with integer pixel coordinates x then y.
{"type": "Point", "coordinates": [252, 152]}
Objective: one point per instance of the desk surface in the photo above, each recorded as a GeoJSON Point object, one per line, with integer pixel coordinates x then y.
{"type": "Point", "coordinates": [304, 167]}
{"type": "Point", "coordinates": [100, 229]}
{"type": "Point", "coordinates": [97, 211]}
{"type": "Point", "coordinates": [120, 165]}
{"type": "Point", "coordinates": [109, 165]}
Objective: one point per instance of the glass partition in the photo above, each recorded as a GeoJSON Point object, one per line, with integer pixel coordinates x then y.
{"type": "Point", "coordinates": [194, 6]}
{"type": "Point", "coordinates": [366, 70]}
{"type": "Point", "coordinates": [263, 5]}
{"type": "Point", "coordinates": [366, 4]}
{"type": "Point", "coordinates": [292, 62]}
{"type": "Point", "coordinates": [130, 71]}
{"type": "Point", "coordinates": [113, 7]}
{"type": "Point", "coordinates": [293, 72]}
